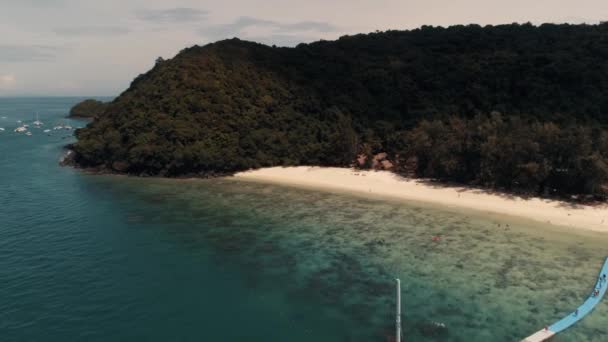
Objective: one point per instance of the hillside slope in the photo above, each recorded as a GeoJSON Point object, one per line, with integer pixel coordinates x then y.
{"type": "Point", "coordinates": [511, 106]}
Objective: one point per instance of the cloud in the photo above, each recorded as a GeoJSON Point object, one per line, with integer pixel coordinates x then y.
{"type": "Point", "coordinates": [276, 32]}
{"type": "Point", "coordinates": [42, 3]}
{"type": "Point", "coordinates": [172, 15]}
{"type": "Point", "coordinates": [309, 26]}
{"type": "Point", "coordinates": [7, 81]}
{"type": "Point", "coordinates": [27, 53]}
{"type": "Point", "coordinates": [92, 31]}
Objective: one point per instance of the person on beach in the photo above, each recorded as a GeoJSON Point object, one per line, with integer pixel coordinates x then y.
{"type": "Point", "coordinates": [576, 313]}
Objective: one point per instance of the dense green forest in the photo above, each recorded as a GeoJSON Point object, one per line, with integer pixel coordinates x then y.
{"type": "Point", "coordinates": [88, 109]}
{"type": "Point", "coordinates": [511, 107]}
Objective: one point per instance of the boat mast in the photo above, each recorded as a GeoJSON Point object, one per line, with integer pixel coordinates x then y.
{"type": "Point", "coordinates": [398, 318]}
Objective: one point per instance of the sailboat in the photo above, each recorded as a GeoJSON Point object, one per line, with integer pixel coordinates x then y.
{"type": "Point", "coordinates": [37, 123]}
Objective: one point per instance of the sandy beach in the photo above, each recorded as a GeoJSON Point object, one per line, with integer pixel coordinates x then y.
{"type": "Point", "coordinates": [387, 184]}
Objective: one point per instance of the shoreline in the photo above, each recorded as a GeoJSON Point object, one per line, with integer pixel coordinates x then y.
{"type": "Point", "coordinates": [385, 184]}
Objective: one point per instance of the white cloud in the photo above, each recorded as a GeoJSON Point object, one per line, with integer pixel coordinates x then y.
{"type": "Point", "coordinates": [27, 53]}
{"type": "Point", "coordinates": [172, 15]}
{"type": "Point", "coordinates": [92, 31]}
{"type": "Point", "coordinates": [7, 81]}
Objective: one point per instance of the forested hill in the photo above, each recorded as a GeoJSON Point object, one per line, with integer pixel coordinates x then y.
{"type": "Point", "coordinates": [514, 107]}
{"type": "Point", "coordinates": [89, 109]}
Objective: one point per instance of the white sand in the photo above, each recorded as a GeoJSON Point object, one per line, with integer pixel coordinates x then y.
{"type": "Point", "coordinates": [387, 184]}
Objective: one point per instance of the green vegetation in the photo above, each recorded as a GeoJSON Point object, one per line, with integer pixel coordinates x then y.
{"type": "Point", "coordinates": [88, 109]}
{"type": "Point", "coordinates": [513, 154]}
{"type": "Point", "coordinates": [513, 107]}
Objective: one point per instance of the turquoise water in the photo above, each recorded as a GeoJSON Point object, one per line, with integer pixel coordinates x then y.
{"type": "Point", "coordinates": [108, 258]}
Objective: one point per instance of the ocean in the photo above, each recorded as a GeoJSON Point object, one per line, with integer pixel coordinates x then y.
{"type": "Point", "coordinates": [113, 258]}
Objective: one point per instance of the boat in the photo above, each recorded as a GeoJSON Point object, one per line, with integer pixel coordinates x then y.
{"type": "Point", "coordinates": [37, 123]}
{"type": "Point", "coordinates": [1, 129]}
{"type": "Point", "coordinates": [62, 125]}
{"type": "Point", "coordinates": [46, 130]}
{"type": "Point", "coordinates": [21, 129]}
{"type": "Point", "coordinates": [29, 134]}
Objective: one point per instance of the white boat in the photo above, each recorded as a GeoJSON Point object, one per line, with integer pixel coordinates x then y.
{"type": "Point", "coordinates": [1, 129]}
{"type": "Point", "coordinates": [29, 134]}
{"type": "Point", "coordinates": [46, 130]}
{"type": "Point", "coordinates": [21, 129]}
{"type": "Point", "coordinates": [26, 126]}
{"type": "Point", "coordinates": [18, 121]}
{"type": "Point", "coordinates": [68, 127]}
{"type": "Point", "coordinates": [56, 128]}
{"type": "Point", "coordinates": [4, 118]}
{"type": "Point", "coordinates": [37, 123]}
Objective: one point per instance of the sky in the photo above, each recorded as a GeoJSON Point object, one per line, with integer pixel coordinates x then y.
{"type": "Point", "coordinates": [95, 48]}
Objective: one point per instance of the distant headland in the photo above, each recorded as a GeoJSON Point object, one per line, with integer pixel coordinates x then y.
{"type": "Point", "coordinates": [89, 109]}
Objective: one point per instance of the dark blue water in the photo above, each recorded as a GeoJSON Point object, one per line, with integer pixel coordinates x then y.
{"type": "Point", "coordinates": [79, 259]}
{"type": "Point", "coordinates": [108, 258]}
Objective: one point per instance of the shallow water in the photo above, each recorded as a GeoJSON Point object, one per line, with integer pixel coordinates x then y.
{"type": "Point", "coordinates": [102, 258]}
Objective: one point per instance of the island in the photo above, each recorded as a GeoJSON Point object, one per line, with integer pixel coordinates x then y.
{"type": "Point", "coordinates": [516, 108]}
{"type": "Point", "coordinates": [88, 109]}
